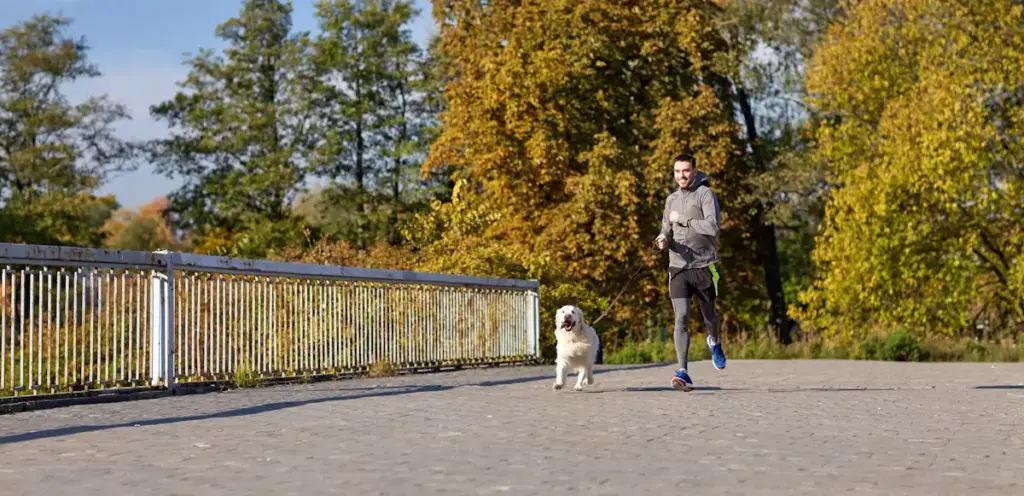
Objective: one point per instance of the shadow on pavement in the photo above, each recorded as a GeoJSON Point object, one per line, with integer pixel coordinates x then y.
{"type": "Point", "coordinates": [237, 412]}
{"type": "Point", "coordinates": [383, 391]}
{"type": "Point", "coordinates": [364, 392]}
{"type": "Point", "coordinates": [669, 388]}
{"type": "Point", "coordinates": [697, 389]}
{"type": "Point", "coordinates": [551, 376]}
{"type": "Point", "coordinates": [832, 389]}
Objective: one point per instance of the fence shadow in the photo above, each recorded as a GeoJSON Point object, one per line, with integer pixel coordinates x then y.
{"type": "Point", "coordinates": [362, 392]}
{"type": "Point", "coordinates": [550, 376]}
{"type": "Point", "coordinates": [654, 389]}
{"type": "Point", "coordinates": [237, 412]}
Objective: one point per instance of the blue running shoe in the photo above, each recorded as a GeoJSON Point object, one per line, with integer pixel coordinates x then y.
{"type": "Point", "coordinates": [681, 381]}
{"type": "Point", "coordinates": [717, 355]}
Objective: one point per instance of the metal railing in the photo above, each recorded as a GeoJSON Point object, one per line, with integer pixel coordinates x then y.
{"type": "Point", "coordinates": [76, 319]}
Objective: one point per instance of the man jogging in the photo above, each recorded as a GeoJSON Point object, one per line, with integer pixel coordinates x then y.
{"type": "Point", "coordinates": [689, 228]}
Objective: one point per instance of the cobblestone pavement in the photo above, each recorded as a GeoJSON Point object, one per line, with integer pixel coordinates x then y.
{"type": "Point", "coordinates": [758, 427]}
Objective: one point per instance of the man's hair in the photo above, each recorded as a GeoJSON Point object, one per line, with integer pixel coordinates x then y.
{"type": "Point", "coordinates": [685, 157]}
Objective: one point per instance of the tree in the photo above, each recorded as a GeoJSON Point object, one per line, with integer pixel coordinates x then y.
{"type": "Point", "coordinates": [922, 107]}
{"type": "Point", "coordinates": [144, 229]}
{"type": "Point", "coordinates": [242, 132]}
{"type": "Point", "coordinates": [561, 120]}
{"type": "Point", "coordinates": [436, 75]}
{"type": "Point", "coordinates": [372, 93]}
{"type": "Point", "coordinates": [770, 41]}
{"type": "Point", "coordinates": [405, 116]}
{"type": "Point", "coordinates": [54, 153]}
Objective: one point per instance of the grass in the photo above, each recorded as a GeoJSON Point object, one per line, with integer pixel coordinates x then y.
{"type": "Point", "coordinates": [244, 378]}
{"type": "Point", "coordinates": [382, 368]}
{"type": "Point", "coordinates": [896, 346]}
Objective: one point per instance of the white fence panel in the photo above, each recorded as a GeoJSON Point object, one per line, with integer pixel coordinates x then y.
{"type": "Point", "coordinates": [74, 319]}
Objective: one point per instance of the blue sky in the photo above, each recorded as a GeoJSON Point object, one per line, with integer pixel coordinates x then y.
{"type": "Point", "coordinates": [139, 45]}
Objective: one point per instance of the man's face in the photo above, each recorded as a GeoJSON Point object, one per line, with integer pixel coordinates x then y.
{"type": "Point", "coordinates": [684, 173]}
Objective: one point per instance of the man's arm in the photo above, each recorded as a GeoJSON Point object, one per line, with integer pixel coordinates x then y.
{"type": "Point", "coordinates": [666, 225]}
{"type": "Point", "coordinates": [707, 226]}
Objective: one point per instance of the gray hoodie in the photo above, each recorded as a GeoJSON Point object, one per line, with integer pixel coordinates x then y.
{"type": "Point", "coordinates": [693, 239]}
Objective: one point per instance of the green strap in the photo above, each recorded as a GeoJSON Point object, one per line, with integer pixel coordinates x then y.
{"type": "Point", "coordinates": [714, 277]}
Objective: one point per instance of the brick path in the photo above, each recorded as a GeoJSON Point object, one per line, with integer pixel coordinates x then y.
{"type": "Point", "coordinates": [759, 427]}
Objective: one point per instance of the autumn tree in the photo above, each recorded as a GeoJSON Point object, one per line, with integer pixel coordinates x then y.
{"type": "Point", "coordinates": [561, 121]}
{"type": "Point", "coordinates": [54, 154]}
{"type": "Point", "coordinates": [242, 128]}
{"type": "Point", "coordinates": [144, 229]}
{"type": "Point", "coordinates": [923, 113]}
{"type": "Point", "coordinates": [769, 42]}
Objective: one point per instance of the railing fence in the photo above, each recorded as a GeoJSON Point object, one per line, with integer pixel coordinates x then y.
{"type": "Point", "coordinates": [74, 319]}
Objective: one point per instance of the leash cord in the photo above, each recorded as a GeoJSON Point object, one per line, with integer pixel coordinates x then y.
{"type": "Point", "coordinates": [623, 290]}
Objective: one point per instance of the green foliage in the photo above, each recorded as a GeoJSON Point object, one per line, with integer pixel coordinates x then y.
{"type": "Point", "coordinates": [899, 345]}
{"type": "Point", "coordinates": [243, 377]}
{"type": "Point", "coordinates": [54, 153]}
{"type": "Point", "coordinates": [642, 352]}
{"type": "Point", "coordinates": [240, 133]}
{"type": "Point", "coordinates": [371, 96]}
{"type": "Point", "coordinates": [56, 217]}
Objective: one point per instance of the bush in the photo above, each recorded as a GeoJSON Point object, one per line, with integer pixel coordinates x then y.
{"type": "Point", "coordinates": [870, 349]}
{"type": "Point", "coordinates": [642, 352]}
{"type": "Point", "coordinates": [899, 345]}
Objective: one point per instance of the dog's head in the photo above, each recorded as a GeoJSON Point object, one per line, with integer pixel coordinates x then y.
{"type": "Point", "coordinates": [569, 318]}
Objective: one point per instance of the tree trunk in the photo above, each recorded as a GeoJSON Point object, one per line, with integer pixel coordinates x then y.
{"type": "Point", "coordinates": [765, 232]}
{"type": "Point", "coordinates": [393, 219]}
{"type": "Point", "coordinates": [403, 136]}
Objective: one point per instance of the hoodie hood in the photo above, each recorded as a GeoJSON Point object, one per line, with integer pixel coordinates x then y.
{"type": "Point", "coordinates": [701, 179]}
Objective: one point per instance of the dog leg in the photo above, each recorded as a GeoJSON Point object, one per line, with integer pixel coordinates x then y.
{"type": "Point", "coordinates": [580, 375]}
{"type": "Point", "coordinates": [589, 369]}
{"type": "Point", "coordinates": [559, 376]}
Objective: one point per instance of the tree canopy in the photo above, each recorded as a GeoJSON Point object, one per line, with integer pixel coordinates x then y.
{"type": "Point", "coordinates": [922, 109]}
{"type": "Point", "coordinates": [561, 121]}
{"type": "Point", "coordinates": [54, 153]}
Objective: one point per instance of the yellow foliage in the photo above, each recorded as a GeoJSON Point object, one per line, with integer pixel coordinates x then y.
{"type": "Point", "coordinates": [922, 132]}
{"type": "Point", "coordinates": [562, 118]}
{"type": "Point", "coordinates": [217, 241]}
{"type": "Point", "coordinates": [324, 251]}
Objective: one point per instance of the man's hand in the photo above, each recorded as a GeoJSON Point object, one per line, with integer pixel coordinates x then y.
{"type": "Point", "coordinates": [661, 241]}
{"type": "Point", "coordinates": [673, 217]}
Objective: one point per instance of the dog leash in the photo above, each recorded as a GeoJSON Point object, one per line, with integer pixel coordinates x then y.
{"type": "Point", "coordinates": [623, 290]}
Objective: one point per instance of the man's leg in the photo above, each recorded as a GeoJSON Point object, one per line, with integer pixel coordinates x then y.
{"type": "Point", "coordinates": [707, 298]}
{"type": "Point", "coordinates": [679, 292]}
{"type": "Point", "coordinates": [681, 306]}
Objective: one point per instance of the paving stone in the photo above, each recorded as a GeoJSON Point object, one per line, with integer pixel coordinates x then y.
{"type": "Point", "coordinates": [758, 427]}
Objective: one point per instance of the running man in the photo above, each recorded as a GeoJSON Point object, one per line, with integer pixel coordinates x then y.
{"type": "Point", "coordinates": [689, 228]}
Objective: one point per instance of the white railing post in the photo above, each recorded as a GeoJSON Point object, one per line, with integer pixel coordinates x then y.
{"type": "Point", "coordinates": [162, 323]}
{"type": "Point", "coordinates": [533, 310]}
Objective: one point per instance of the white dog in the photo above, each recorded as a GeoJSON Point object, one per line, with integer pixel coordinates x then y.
{"type": "Point", "coordinates": [577, 345]}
